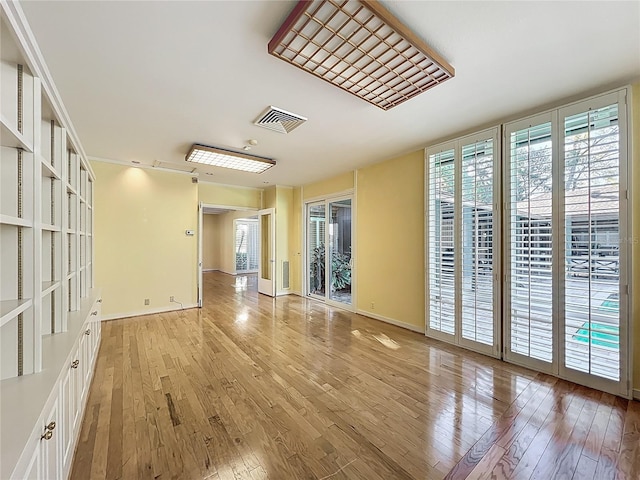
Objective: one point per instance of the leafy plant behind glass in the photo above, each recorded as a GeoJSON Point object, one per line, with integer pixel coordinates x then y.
{"type": "Point", "coordinates": [340, 269]}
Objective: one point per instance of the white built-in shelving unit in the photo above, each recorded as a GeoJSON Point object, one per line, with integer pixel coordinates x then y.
{"type": "Point", "coordinates": [49, 308]}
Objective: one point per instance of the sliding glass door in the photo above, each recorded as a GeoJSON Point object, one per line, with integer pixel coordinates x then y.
{"type": "Point", "coordinates": [329, 255]}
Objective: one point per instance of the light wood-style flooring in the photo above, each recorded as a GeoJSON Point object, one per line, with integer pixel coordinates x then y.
{"type": "Point", "coordinates": [251, 387]}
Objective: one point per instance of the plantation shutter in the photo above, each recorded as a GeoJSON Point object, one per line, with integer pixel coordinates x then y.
{"type": "Point", "coordinates": [591, 206]}
{"type": "Point", "coordinates": [530, 261]}
{"type": "Point", "coordinates": [441, 257]}
{"type": "Point", "coordinates": [478, 225]}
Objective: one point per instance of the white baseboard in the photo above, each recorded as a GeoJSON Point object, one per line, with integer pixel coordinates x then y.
{"type": "Point", "coordinates": [392, 321]}
{"type": "Point", "coordinates": [210, 270]}
{"type": "Point", "coordinates": [636, 393]}
{"type": "Point", "coordinates": [147, 312]}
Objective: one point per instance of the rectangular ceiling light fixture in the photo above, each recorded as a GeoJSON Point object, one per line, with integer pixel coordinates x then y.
{"type": "Point", "coordinates": [219, 157]}
{"type": "Point", "coordinates": [360, 47]}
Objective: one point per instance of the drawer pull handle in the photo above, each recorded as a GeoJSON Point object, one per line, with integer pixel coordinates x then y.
{"type": "Point", "coordinates": [87, 331]}
{"type": "Point", "coordinates": [95, 312]}
{"type": "Point", "coordinates": [47, 435]}
{"type": "Point", "coordinates": [51, 426]}
{"type": "Point", "coordinates": [99, 300]}
{"type": "Point", "coordinates": [75, 364]}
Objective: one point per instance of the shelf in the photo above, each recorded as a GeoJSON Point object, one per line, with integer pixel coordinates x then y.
{"type": "Point", "coordinates": [70, 275]}
{"type": "Point", "coordinates": [11, 137]}
{"type": "Point", "coordinates": [12, 308]}
{"type": "Point", "coordinates": [48, 287]}
{"type": "Point", "coordinates": [15, 221]}
{"type": "Point", "coordinates": [48, 170]}
{"type": "Point", "coordinates": [71, 190]}
{"type": "Point", "coordinates": [82, 200]}
{"type": "Point", "coordinates": [71, 232]}
{"type": "Point", "coordinates": [50, 228]}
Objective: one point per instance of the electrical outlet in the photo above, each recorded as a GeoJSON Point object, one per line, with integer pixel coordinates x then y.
{"type": "Point", "coordinates": [146, 301]}
{"type": "Point", "coordinates": [171, 299]}
{"type": "Point", "coordinates": [373, 306]}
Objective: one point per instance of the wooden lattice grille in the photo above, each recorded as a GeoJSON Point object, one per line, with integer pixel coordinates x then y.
{"type": "Point", "coordinates": [361, 48]}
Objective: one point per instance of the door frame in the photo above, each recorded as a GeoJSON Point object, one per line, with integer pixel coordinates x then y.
{"type": "Point", "coordinates": [327, 200]}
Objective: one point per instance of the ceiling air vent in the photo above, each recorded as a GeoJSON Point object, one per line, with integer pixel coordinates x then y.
{"type": "Point", "coordinates": [279, 120]}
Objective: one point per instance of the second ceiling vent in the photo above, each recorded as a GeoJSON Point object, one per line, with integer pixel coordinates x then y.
{"type": "Point", "coordinates": [279, 120]}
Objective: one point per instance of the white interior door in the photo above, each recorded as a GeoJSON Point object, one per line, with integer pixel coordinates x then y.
{"type": "Point", "coordinates": [267, 255]}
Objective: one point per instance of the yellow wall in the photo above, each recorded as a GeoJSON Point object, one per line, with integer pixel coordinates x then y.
{"type": "Point", "coordinates": [141, 250]}
{"type": "Point", "coordinates": [329, 186]}
{"type": "Point", "coordinates": [228, 195]}
{"type": "Point", "coordinates": [635, 229]}
{"type": "Point", "coordinates": [295, 241]}
{"type": "Point", "coordinates": [284, 212]}
{"type": "Point", "coordinates": [269, 197]}
{"type": "Point", "coordinates": [390, 239]}
{"type": "Point", "coordinates": [211, 242]}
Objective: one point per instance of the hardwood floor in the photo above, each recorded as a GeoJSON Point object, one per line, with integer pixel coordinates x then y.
{"type": "Point", "coordinates": [250, 387]}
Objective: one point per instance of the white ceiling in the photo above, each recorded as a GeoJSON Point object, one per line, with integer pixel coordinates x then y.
{"type": "Point", "coordinates": [144, 80]}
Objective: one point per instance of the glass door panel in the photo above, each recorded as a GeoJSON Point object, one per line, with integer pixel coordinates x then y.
{"type": "Point", "coordinates": [339, 268]}
{"type": "Point", "coordinates": [441, 273]}
{"type": "Point", "coordinates": [316, 249]}
{"type": "Point", "coordinates": [529, 245]}
{"type": "Point", "coordinates": [478, 317]}
{"type": "Point", "coordinates": [266, 265]}
{"type": "Point", "coordinates": [592, 235]}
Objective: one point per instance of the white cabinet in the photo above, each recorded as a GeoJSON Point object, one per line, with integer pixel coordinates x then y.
{"type": "Point", "coordinates": [46, 253]}
{"type": "Point", "coordinates": [70, 407]}
{"type": "Point", "coordinates": [50, 443]}
{"type": "Point", "coordinates": [53, 406]}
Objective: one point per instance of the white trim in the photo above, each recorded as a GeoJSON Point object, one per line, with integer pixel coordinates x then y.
{"type": "Point", "coordinates": [115, 316]}
{"type": "Point", "coordinates": [236, 208]}
{"type": "Point", "coordinates": [632, 201]}
{"type": "Point", "coordinates": [636, 393]}
{"type": "Point", "coordinates": [242, 187]}
{"type": "Point", "coordinates": [144, 166]}
{"type": "Point", "coordinates": [330, 196]}
{"type": "Point", "coordinates": [392, 321]}
{"type": "Point", "coordinates": [210, 270]}
{"type": "Point", "coordinates": [200, 286]}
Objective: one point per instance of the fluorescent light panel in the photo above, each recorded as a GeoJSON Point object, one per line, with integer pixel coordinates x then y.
{"type": "Point", "coordinates": [360, 47]}
{"type": "Point", "coordinates": [219, 157]}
